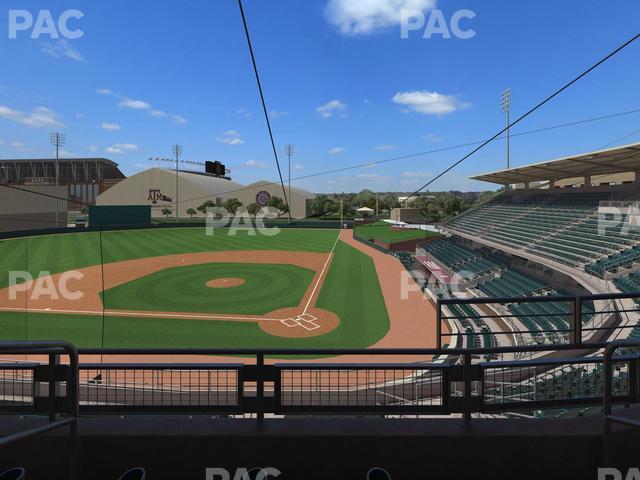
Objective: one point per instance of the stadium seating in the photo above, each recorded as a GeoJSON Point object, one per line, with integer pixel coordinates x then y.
{"type": "Point", "coordinates": [477, 332]}
{"type": "Point", "coordinates": [468, 263]}
{"type": "Point", "coordinates": [562, 227]}
{"type": "Point", "coordinates": [511, 284]}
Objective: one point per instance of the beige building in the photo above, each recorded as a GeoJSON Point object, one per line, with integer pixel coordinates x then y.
{"type": "Point", "coordinates": [157, 187]}
{"type": "Point", "coordinates": [407, 215]}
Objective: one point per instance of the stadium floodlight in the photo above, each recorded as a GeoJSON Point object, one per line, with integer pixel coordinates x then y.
{"type": "Point", "coordinates": [505, 106]}
{"type": "Point", "coordinates": [289, 150]}
{"type": "Point", "coordinates": [58, 139]}
{"type": "Point", "coordinates": [177, 151]}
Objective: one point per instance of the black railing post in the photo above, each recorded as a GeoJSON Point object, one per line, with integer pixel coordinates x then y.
{"type": "Point", "coordinates": [54, 361]}
{"type": "Point", "coordinates": [73, 411]}
{"type": "Point", "coordinates": [260, 391]}
{"type": "Point", "coordinates": [576, 318]}
{"type": "Point", "coordinates": [466, 401]}
{"type": "Point", "coordinates": [438, 324]}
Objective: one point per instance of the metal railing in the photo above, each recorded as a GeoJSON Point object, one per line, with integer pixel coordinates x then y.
{"type": "Point", "coordinates": [609, 394]}
{"type": "Point", "coordinates": [395, 382]}
{"type": "Point", "coordinates": [586, 319]}
{"type": "Point", "coordinates": [255, 383]}
{"type": "Point", "coordinates": [50, 389]}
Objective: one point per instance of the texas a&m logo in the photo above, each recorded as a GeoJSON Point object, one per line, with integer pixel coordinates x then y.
{"type": "Point", "coordinates": [156, 195]}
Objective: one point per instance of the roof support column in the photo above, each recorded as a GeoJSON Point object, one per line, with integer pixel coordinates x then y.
{"type": "Point", "coordinates": [552, 184]}
{"type": "Point", "coordinates": [527, 185]}
{"type": "Point", "coordinates": [587, 180]}
{"type": "Point", "coordinates": [637, 176]}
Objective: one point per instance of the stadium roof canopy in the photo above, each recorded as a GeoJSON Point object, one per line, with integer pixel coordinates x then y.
{"type": "Point", "coordinates": [614, 160]}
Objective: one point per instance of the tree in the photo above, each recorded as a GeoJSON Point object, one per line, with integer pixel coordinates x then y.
{"type": "Point", "coordinates": [166, 212]}
{"type": "Point", "coordinates": [84, 211]}
{"type": "Point", "coordinates": [191, 212]}
{"type": "Point", "coordinates": [253, 208]}
{"type": "Point", "coordinates": [203, 207]}
{"type": "Point", "coordinates": [279, 205]}
{"type": "Point", "coordinates": [317, 205]}
{"type": "Point", "coordinates": [232, 205]}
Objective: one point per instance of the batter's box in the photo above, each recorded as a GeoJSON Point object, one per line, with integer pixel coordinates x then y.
{"type": "Point", "coordinates": [290, 322]}
{"type": "Point", "coordinates": [308, 325]}
{"type": "Point", "coordinates": [307, 317]}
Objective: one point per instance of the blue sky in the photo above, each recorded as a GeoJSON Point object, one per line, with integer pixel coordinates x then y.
{"type": "Point", "coordinates": [340, 82]}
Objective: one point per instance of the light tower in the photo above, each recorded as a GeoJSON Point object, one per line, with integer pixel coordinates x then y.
{"type": "Point", "coordinates": [177, 151]}
{"type": "Point", "coordinates": [289, 150]}
{"type": "Point", "coordinates": [57, 140]}
{"type": "Point", "coordinates": [505, 106]}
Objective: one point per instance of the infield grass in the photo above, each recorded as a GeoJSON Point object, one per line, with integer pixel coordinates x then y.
{"type": "Point", "coordinates": [267, 287]}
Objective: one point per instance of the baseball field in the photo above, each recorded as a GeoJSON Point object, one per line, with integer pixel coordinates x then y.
{"type": "Point", "coordinates": [177, 287]}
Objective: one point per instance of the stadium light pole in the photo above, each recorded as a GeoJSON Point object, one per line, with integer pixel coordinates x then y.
{"type": "Point", "coordinates": [289, 150]}
{"type": "Point", "coordinates": [58, 139]}
{"type": "Point", "coordinates": [505, 106]}
{"type": "Point", "coordinates": [177, 151]}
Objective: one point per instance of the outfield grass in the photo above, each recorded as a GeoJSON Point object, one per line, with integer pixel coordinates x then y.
{"type": "Point", "coordinates": [383, 232]}
{"type": "Point", "coordinates": [351, 290]}
{"type": "Point", "coordinates": [59, 253]}
{"type": "Point", "coordinates": [267, 287]}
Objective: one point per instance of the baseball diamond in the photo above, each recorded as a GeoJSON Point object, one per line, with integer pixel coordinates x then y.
{"type": "Point", "coordinates": [178, 287]}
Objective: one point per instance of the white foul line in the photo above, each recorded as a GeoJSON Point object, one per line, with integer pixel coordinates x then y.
{"type": "Point", "coordinates": [306, 307]}
{"type": "Point", "coordinates": [132, 313]}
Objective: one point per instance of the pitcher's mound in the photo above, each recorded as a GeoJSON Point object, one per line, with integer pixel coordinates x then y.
{"type": "Point", "coordinates": [225, 282]}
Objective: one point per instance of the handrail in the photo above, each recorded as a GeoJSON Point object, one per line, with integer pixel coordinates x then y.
{"type": "Point", "coordinates": [608, 418]}
{"type": "Point", "coordinates": [72, 389]}
{"type": "Point", "coordinates": [333, 351]}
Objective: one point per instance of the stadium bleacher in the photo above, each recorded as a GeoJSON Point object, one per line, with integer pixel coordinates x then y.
{"type": "Point", "coordinates": [467, 263]}
{"type": "Point", "coordinates": [562, 227]}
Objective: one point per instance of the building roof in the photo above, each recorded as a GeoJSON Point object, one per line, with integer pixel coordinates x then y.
{"type": "Point", "coordinates": [61, 160]}
{"type": "Point", "coordinates": [614, 160]}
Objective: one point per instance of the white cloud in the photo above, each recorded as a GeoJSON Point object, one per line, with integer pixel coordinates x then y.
{"type": "Point", "coordinates": [243, 112]}
{"type": "Point", "coordinates": [104, 91]}
{"type": "Point", "coordinates": [371, 176]}
{"type": "Point", "coordinates": [135, 104]}
{"type": "Point", "coordinates": [39, 117]}
{"type": "Point", "coordinates": [417, 174]}
{"type": "Point", "coordinates": [429, 103]}
{"type": "Point", "coordinates": [383, 148]}
{"type": "Point", "coordinates": [328, 109]}
{"type": "Point", "coordinates": [92, 148]}
{"type": "Point", "coordinates": [110, 126]}
{"type": "Point", "coordinates": [179, 119]}
{"type": "Point", "coordinates": [2, 141]}
{"type": "Point", "coordinates": [62, 48]}
{"type": "Point", "coordinates": [336, 151]}
{"type": "Point", "coordinates": [298, 167]}
{"type": "Point", "coordinates": [119, 148]}
{"type": "Point", "coordinates": [357, 17]}
{"type": "Point", "coordinates": [431, 137]}
{"type": "Point", "coordinates": [158, 113]}
{"type": "Point", "coordinates": [230, 137]}
{"type": "Point", "coordinates": [19, 146]}
{"type": "Point", "coordinates": [255, 163]}
{"type": "Point", "coordinates": [277, 114]}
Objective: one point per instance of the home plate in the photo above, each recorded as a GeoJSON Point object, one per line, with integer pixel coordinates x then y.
{"type": "Point", "coordinates": [290, 322]}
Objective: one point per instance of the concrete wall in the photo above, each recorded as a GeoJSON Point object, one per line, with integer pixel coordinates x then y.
{"type": "Point", "coordinates": [21, 210]}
